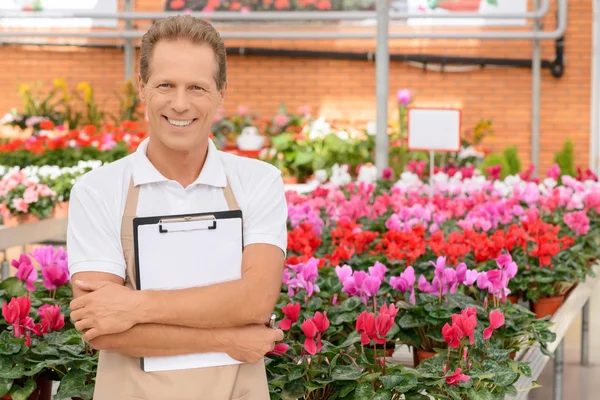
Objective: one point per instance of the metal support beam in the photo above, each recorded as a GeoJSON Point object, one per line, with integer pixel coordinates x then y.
{"type": "Point", "coordinates": [129, 48]}
{"type": "Point", "coordinates": [585, 330]}
{"type": "Point", "coordinates": [382, 67]}
{"type": "Point", "coordinates": [539, 12]}
{"type": "Point", "coordinates": [536, 76]}
{"type": "Point", "coordinates": [559, 364]}
{"type": "Point", "coordinates": [279, 35]}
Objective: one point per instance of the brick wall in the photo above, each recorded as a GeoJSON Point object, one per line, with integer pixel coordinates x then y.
{"type": "Point", "coordinates": [343, 89]}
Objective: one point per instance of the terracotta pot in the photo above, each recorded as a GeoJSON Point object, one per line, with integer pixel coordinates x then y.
{"type": "Point", "coordinates": [290, 180]}
{"type": "Point", "coordinates": [422, 355]}
{"type": "Point", "coordinates": [460, 5]}
{"type": "Point", "coordinates": [61, 209]}
{"type": "Point", "coordinates": [19, 219]}
{"type": "Point", "coordinates": [547, 306]}
{"type": "Point", "coordinates": [513, 299]}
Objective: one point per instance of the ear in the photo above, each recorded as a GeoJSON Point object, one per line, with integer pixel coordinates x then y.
{"type": "Point", "coordinates": [141, 86]}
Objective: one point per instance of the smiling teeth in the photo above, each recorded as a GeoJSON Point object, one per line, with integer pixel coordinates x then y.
{"type": "Point", "coordinates": [179, 123]}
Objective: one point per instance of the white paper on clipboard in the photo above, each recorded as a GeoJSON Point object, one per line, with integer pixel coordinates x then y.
{"type": "Point", "coordinates": [188, 255]}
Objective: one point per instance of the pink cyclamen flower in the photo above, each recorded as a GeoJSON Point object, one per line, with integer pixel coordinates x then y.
{"type": "Point", "coordinates": [405, 281]}
{"type": "Point", "coordinates": [578, 221]}
{"type": "Point", "coordinates": [20, 205]}
{"type": "Point", "coordinates": [54, 276]}
{"type": "Point", "coordinates": [457, 377]}
{"type": "Point", "coordinates": [26, 272]}
{"type": "Point", "coordinates": [496, 321]}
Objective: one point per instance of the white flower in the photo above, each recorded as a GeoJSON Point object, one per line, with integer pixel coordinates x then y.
{"type": "Point", "coordinates": [321, 175]}
{"type": "Point", "coordinates": [372, 128]}
{"type": "Point", "coordinates": [343, 135]}
{"type": "Point", "coordinates": [467, 152]}
{"type": "Point", "coordinates": [319, 129]}
{"type": "Point", "coordinates": [367, 173]}
{"type": "Point", "coordinates": [340, 175]}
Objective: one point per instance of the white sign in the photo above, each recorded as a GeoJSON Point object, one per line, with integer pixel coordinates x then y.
{"type": "Point", "coordinates": [63, 6]}
{"type": "Point", "coordinates": [434, 129]}
{"type": "Point", "coordinates": [482, 7]}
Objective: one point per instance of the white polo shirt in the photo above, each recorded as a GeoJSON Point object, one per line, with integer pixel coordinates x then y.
{"type": "Point", "coordinates": [98, 201]}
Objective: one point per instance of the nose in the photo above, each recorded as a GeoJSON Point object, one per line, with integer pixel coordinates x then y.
{"type": "Point", "coordinates": [180, 102]}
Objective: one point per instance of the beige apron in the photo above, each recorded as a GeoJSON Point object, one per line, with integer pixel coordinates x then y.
{"type": "Point", "coordinates": [120, 377]}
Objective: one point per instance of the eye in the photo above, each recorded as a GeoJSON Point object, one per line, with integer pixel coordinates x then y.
{"type": "Point", "coordinates": [196, 87]}
{"type": "Point", "coordinates": [164, 85]}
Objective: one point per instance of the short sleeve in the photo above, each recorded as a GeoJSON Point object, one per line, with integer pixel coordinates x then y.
{"type": "Point", "coordinates": [93, 238]}
{"type": "Point", "coordinates": [265, 217]}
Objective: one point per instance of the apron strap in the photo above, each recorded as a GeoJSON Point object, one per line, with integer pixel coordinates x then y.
{"type": "Point", "coordinates": [231, 201]}
{"type": "Point", "coordinates": [132, 198]}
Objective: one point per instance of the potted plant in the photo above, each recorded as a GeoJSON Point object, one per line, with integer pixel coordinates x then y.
{"type": "Point", "coordinates": [24, 200]}
{"type": "Point", "coordinates": [39, 344]}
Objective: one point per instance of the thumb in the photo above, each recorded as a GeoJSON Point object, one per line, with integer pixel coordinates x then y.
{"type": "Point", "coordinates": [278, 333]}
{"type": "Point", "coordinates": [89, 286]}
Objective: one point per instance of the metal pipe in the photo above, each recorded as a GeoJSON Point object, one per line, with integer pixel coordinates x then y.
{"type": "Point", "coordinates": [129, 49]}
{"type": "Point", "coordinates": [382, 67]}
{"type": "Point", "coordinates": [538, 13]}
{"type": "Point", "coordinates": [559, 370]}
{"type": "Point", "coordinates": [585, 330]}
{"type": "Point", "coordinates": [524, 35]}
{"type": "Point", "coordinates": [536, 76]}
{"type": "Point", "coordinates": [595, 95]}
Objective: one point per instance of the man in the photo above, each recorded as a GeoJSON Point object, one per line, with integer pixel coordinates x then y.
{"type": "Point", "coordinates": [177, 170]}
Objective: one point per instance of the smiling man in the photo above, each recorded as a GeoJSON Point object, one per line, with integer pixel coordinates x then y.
{"type": "Point", "coordinates": [176, 170]}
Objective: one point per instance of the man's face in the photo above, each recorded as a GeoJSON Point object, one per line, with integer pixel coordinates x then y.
{"type": "Point", "coordinates": [181, 94]}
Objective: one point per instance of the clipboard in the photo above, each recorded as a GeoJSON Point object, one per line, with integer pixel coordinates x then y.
{"type": "Point", "coordinates": [182, 251]}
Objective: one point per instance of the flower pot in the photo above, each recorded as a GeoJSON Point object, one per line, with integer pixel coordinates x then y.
{"type": "Point", "coordinates": [460, 5]}
{"type": "Point", "coordinates": [547, 306]}
{"type": "Point", "coordinates": [290, 180]}
{"type": "Point", "coordinates": [61, 209]}
{"type": "Point", "coordinates": [19, 219]}
{"type": "Point", "coordinates": [422, 355]}
{"type": "Point", "coordinates": [513, 299]}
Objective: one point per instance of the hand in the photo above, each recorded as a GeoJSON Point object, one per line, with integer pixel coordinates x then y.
{"type": "Point", "coordinates": [107, 309]}
{"type": "Point", "coordinates": [250, 343]}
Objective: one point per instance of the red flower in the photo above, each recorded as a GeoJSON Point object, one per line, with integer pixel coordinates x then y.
{"type": "Point", "coordinates": [466, 322]}
{"type": "Point", "coordinates": [291, 312]}
{"type": "Point", "coordinates": [321, 321]}
{"type": "Point", "coordinates": [496, 321]}
{"type": "Point", "coordinates": [310, 331]}
{"type": "Point", "coordinates": [365, 325]}
{"type": "Point", "coordinates": [279, 349]}
{"type": "Point", "coordinates": [457, 377]}
{"type": "Point", "coordinates": [16, 314]}
{"type": "Point", "coordinates": [452, 335]}
{"type": "Point", "coordinates": [52, 318]}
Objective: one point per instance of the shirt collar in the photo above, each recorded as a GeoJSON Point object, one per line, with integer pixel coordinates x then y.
{"type": "Point", "coordinates": [212, 173]}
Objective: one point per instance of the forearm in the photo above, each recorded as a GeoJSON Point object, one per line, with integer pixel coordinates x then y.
{"type": "Point", "coordinates": [154, 340]}
{"type": "Point", "coordinates": [225, 305]}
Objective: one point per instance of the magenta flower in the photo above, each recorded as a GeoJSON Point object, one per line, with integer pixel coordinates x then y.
{"type": "Point", "coordinates": [378, 270]}
{"type": "Point", "coordinates": [54, 276]}
{"type": "Point", "coordinates": [554, 172]}
{"type": "Point", "coordinates": [305, 276]}
{"type": "Point", "coordinates": [26, 272]}
{"type": "Point", "coordinates": [371, 286]}
{"type": "Point", "coordinates": [405, 281]}
{"type": "Point", "coordinates": [403, 97]}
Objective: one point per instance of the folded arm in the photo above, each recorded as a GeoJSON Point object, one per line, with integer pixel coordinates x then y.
{"type": "Point", "coordinates": [250, 300]}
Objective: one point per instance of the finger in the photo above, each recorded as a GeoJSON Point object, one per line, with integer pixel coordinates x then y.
{"type": "Point", "coordinates": [84, 324]}
{"type": "Point", "coordinates": [91, 335]}
{"type": "Point", "coordinates": [77, 303]}
{"type": "Point", "coordinates": [278, 334]}
{"type": "Point", "coordinates": [78, 315]}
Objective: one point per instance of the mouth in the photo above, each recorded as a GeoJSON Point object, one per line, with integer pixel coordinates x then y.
{"type": "Point", "coordinates": [179, 123]}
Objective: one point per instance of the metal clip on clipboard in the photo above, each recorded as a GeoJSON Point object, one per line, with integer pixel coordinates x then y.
{"type": "Point", "coordinates": [187, 219]}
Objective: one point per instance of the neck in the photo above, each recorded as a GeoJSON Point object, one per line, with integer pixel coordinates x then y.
{"type": "Point", "coordinates": [181, 166]}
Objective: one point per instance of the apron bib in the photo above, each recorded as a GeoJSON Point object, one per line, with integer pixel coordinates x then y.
{"type": "Point", "coordinates": [119, 377]}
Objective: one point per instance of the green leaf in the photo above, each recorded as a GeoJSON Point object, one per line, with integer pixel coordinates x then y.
{"type": "Point", "coordinates": [353, 338]}
{"type": "Point", "coordinates": [382, 394]}
{"type": "Point", "coordinates": [410, 321]}
{"type": "Point", "coordinates": [481, 394]}
{"type": "Point", "coordinates": [293, 390]}
{"type": "Point", "coordinates": [343, 317]}
{"type": "Point", "coordinates": [390, 381]}
{"type": "Point", "coordinates": [351, 303]}
{"type": "Point", "coordinates": [505, 377]}
{"type": "Point", "coordinates": [303, 158]}
{"type": "Point", "coordinates": [511, 391]}
{"type": "Point", "coordinates": [23, 392]}
{"type": "Point", "coordinates": [409, 383]}
{"type": "Point", "coordinates": [45, 349]}
{"type": "Point", "coordinates": [312, 385]}
{"type": "Point", "coordinates": [10, 371]}
{"type": "Point", "coordinates": [13, 287]}
{"type": "Point", "coordinates": [315, 304]}
{"type": "Point", "coordinates": [525, 369]}
{"type": "Point", "coordinates": [345, 373]}
{"type": "Point", "coordinates": [441, 314]}
{"type": "Point", "coordinates": [364, 391]}
{"type": "Point", "coordinates": [73, 384]}
{"type": "Point", "coordinates": [5, 385]}
{"type": "Point", "coordinates": [347, 389]}
{"type": "Point", "coordinates": [370, 378]}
